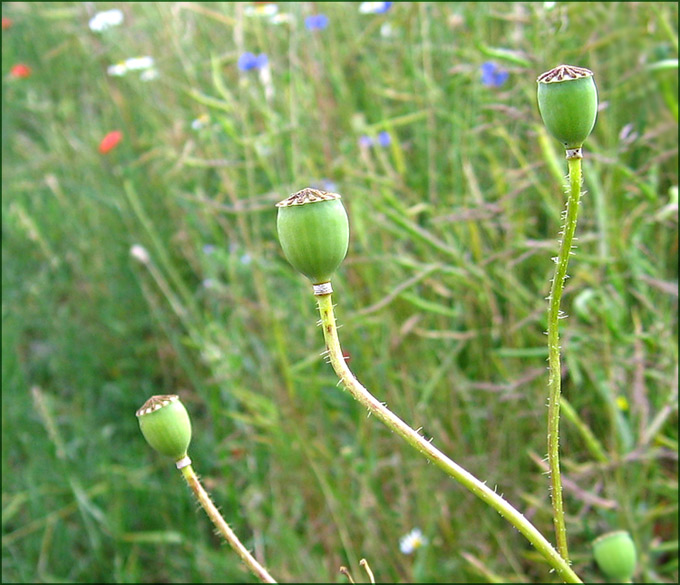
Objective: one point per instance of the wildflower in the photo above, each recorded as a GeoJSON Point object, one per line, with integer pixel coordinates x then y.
{"type": "Point", "coordinates": [110, 141]}
{"type": "Point", "coordinates": [149, 74]}
{"type": "Point", "coordinates": [316, 22]}
{"type": "Point", "coordinates": [144, 64]}
{"type": "Point", "coordinates": [456, 20]}
{"type": "Point", "coordinates": [117, 70]}
{"type": "Point", "coordinates": [250, 61]}
{"type": "Point", "coordinates": [386, 30]}
{"type": "Point", "coordinates": [20, 71]}
{"type": "Point", "coordinates": [261, 9]}
{"type": "Point", "coordinates": [139, 253]}
{"type": "Point", "coordinates": [201, 122]}
{"type": "Point", "coordinates": [492, 75]}
{"type": "Point", "coordinates": [209, 249]}
{"type": "Point", "coordinates": [104, 20]}
{"type": "Point", "coordinates": [412, 541]}
{"type": "Point", "coordinates": [365, 141]}
{"type": "Point", "coordinates": [374, 7]}
{"type": "Point", "coordinates": [325, 185]}
{"type": "Point", "coordinates": [139, 63]}
{"type": "Point", "coordinates": [384, 138]}
{"type": "Point", "coordinates": [282, 18]}
{"type": "Point", "coordinates": [6, 23]}
{"type": "Point", "coordinates": [266, 81]}
{"type": "Point", "coordinates": [622, 403]}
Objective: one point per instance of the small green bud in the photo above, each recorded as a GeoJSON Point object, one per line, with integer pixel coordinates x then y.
{"type": "Point", "coordinates": [615, 555]}
{"type": "Point", "coordinates": [567, 100]}
{"type": "Point", "coordinates": [314, 233]}
{"type": "Point", "coordinates": [165, 425]}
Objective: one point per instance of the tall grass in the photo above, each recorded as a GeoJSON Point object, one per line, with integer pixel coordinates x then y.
{"type": "Point", "coordinates": [442, 296]}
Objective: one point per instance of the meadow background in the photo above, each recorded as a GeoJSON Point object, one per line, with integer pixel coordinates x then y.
{"type": "Point", "coordinates": [150, 265]}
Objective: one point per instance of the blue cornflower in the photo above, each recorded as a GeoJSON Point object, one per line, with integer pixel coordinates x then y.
{"type": "Point", "coordinates": [365, 141]}
{"type": "Point", "coordinates": [250, 61]}
{"type": "Point", "coordinates": [316, 22]}
{"type": "Point", "coordinates": [374, 7]}
{"type": "Point", "coordinates": [384, 138]}
{"type": "Point", "coordinates": [492, 75]}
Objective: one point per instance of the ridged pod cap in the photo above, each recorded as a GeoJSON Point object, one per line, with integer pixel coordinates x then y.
{"type": "Point", "coordinates": [615, 555]}
{"type": "Point", "coordinates": [165, 425]}
{"type": "Point", "coordinates": [314, 232]}
{"type": "Point", "coordinates": [567, 100]}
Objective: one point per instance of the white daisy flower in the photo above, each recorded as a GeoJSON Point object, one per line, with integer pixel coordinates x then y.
{"type": "Point", "coordinates": [412, 541]}
{"type": "Point", "coordinates": [282, 18]}
{"type": "Point", "coordinates": [117, 70]}
{"type": "Point", "coordinates": [374, 7]}
{"type": "Point", "coordinates": [139, 253]}
{"type": "Point", "coordinates": [103, 20]}
{"type": "Point", "coordinates": [268, 9]}
{"type": "Point", "coordinates": [201, 122]}
{"type": "Point", "coordinates": [137, 63]}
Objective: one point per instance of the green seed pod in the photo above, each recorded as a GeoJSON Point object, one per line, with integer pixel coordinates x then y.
{"type": "Point", "coordinates": [165, 425]}
{"type": "Point", "coordinates": [615, 555]}
{"type": "Point", "coordinates": [314, 233]}
{"type": "Point", "coordinates": [567, 100]}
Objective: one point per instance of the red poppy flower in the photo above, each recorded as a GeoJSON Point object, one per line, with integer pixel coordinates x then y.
{"type": "Point", "coordinates": [6, 23]}
{"type": "Point", "coordinates": [20, 71]}
{"type": "Point", "coordinates": [110, 141]}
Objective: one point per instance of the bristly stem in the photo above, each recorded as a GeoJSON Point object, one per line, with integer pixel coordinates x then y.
{"type": "Point", "coordinates": [555, 373]}
{"type": "Point", "coordinates": [224, 529]}
{"type": "Point", "coordinates": [421, 444]}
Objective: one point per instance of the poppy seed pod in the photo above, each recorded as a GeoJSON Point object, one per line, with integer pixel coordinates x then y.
{"type": "Point", "coordinates": [567, 101]}
{"type": "Point", "coordinates": [615, 555]}
{"type": "Point", "coordinates": [165, 425]}
{"type": "Point", "coordinates": [314, 232]}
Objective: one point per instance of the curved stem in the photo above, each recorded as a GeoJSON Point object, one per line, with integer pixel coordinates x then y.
{"type": "Point", "coordinates": [555, 373]}
{"type": "Point", "coordinates": [417, 441]}
{"type": "Point", "coordinates": [224, 529]}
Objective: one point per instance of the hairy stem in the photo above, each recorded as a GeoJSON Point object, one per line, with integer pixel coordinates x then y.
{"type": "Point", "coordinates": [224, 529]}
{"type": "Point", "coordinates": [555, 374]}
{"type": "Point", "coordinates": [418, 442]}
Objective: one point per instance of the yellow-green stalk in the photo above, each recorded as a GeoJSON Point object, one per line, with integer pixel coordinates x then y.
{"type": "Point", "coordinates": [166, 426]}
{"type": "Point", "coordinates": [567, 101]}
{"type": "Point", "coordinates": [316, 240]}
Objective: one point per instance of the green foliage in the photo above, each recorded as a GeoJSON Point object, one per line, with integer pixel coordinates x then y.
{"type": "Point", "coordinates": [453, 225]}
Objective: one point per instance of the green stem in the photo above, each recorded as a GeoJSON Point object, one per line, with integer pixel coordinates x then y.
{"type": "Point", "coordinates": [224, 529]}
{"type": "Point", "coordinates": [417, 441]}
{"type": "Point", "coordinates": [555, 373]}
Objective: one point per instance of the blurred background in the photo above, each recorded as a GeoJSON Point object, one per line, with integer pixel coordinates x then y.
{"type": "Point", "coordinates": [144, 146]}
